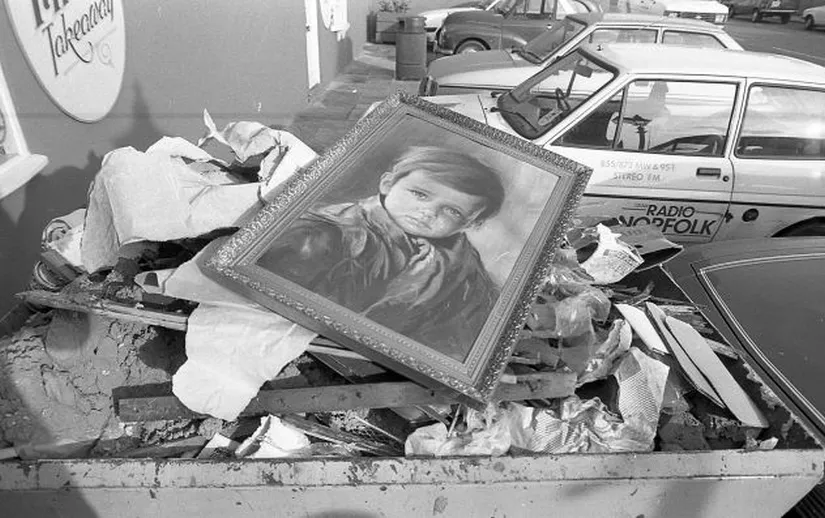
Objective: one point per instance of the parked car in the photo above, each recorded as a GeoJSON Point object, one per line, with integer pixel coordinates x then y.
{"type": "Point", "coordinates": [504, 69]}
{"type": "Point", "coordinates": [706, 144]}
{"type": "Point", "coordinates": [814, 17]}
{"type": "Point", "coordinates": [434, 18]}
{"type": "Point", "coordinates": [509, 23]}
{"type": "Point", "coordinates": [760, 9]}
{"type": "Point", "coordinates": [708, 10]}
{"type": "Point", "coordinates": [765, 298]}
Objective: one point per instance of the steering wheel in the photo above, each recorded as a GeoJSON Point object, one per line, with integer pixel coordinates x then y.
{"type": "Point", "coordinates": [561, 100]}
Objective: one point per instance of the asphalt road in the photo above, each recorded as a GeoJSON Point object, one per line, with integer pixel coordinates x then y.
{"type": "Point", "coordinates": [772, 36]}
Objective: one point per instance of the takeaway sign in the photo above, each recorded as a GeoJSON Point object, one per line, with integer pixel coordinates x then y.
{"type": "Point", "coordinates": [76, 48]}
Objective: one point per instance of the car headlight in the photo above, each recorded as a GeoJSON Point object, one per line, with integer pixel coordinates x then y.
{"type": "Point", "coordinates": [721, 18]}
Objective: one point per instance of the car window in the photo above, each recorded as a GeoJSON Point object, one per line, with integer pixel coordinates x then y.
{"type": "Point", "coordinates": [533, 9]}
{"type": "Point", "coordinates": [657, 116]}
{"type": "Point", "coordinates": [540, 102]}
{"type": "Point", "coordinates": [783, 123]}
{"type": "Point", "coordinates": [623, 36]}
{"type": "Point", "coordinates": [543, 46]}
{"type": "Point", "coordinates": [594, 131]}
{"type": "Point", "coordinates": [692, 39]}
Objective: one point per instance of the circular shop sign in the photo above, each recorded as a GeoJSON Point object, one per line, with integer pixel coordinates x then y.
{"type": "Point", "coordinates": [77, 50]}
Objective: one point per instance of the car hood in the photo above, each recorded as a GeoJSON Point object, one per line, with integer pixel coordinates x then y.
{"type": "Point", "coordinates": [435, 17]}
{"type": "Point", "coordinates": [475, 16]}
{"type": "Point", "coordinates": [476, 106]}
{"type": "Point", "coordinates": [474, 62]}
{"type": "Point", "coordinates": [744, 287]}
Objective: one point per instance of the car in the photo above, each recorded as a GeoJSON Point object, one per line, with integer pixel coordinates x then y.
{"type": "Point", "coordinates": [707, 10]}
{"type": "Point", "coordinates": [765, 298]}
{"type": "Point", "coordinates": [504, 69]}
{"type": "Point", "coordinates": [509, 23]}
{"type": "Point", "coordinates": [814, 17]}
{"type": "Point", "coordinates": [434, 18]}
{"type": "Point", "coordinates": [761, 9]}
{"type": "Point", "coordinates": [706, 144]}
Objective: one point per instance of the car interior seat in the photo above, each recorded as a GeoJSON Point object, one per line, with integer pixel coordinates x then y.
{"type": "Point", "coordinates": [638, 116]}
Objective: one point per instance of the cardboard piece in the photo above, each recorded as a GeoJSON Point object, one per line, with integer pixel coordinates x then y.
{"type": "Point", "coordinates": [694, 375]}
{"type": "Point", "coordinates": [720, 378]}
{"type": "Point", "coordinates": [642, 326]}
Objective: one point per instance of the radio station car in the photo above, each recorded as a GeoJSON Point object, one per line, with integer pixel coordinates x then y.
{"type": "Point", "coordinates": [504, 69]}
{"type": "Point", "coordinates": [706, 144]}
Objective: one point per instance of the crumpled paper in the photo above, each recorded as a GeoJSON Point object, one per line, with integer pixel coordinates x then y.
{"type": "Point", "coordinates": [158, 196]}
{"type": "Point", "coordinates": [588, 426]}
{"type": "Point", "coordinates": [487, 433]}
{"type": "Point", "coordinates": [600, 362]}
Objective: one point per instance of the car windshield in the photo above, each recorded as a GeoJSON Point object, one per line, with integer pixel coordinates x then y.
{"type": "Point", "coordinates": [542, 47]}
{"type": "Point", "coordinates": [502, 6]}
{"type": "Point", "coordinates": [543, 100]}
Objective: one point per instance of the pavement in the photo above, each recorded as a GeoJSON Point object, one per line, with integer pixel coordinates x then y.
{"type": "Point", "coordinates": [335, 108]}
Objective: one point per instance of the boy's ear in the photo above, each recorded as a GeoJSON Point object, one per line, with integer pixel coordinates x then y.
{"type": "Point", "coordinates": [385, 184]}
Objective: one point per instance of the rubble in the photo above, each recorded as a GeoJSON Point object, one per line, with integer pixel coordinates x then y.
{"type": "Point", "coordinates": [141, 355]}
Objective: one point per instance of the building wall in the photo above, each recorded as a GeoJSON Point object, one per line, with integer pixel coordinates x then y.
{"type": "Point", "coordinates": [240, 60]}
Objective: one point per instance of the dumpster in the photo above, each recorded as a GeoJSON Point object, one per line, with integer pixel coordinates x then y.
{"type": "Point", "coordinates": [410, 48]}
{"type": "Point", "coordinates": [724, 482]}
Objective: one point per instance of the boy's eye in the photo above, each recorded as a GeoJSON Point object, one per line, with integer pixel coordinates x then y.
{"type": "Point", "coordinates": [454, 213]}
{"type": "Point", "coordinates": [418, 194]}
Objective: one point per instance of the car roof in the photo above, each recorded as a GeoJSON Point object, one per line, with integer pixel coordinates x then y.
{"type": "Point", "coordinates": [643, 19]}
{"type": "Point", "coordinates": [676, 59]}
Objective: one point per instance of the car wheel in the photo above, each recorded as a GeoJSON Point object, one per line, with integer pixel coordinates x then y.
{"type": "Point", "coordinates": [756, 16]}
{"type": "Point", "coordinates": [809, 23]}
{"type": "Point", "coordinates": [785, 18]}
{"type": "Point", "coordinates": [470, 46]}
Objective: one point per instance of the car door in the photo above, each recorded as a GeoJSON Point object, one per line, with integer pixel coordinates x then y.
{"type": "Point", "coordinates": [525, 21]}
{"type": "Point", "coordinates": [779, 163]}
{"type": "Point", "coordinates": [657, 149]}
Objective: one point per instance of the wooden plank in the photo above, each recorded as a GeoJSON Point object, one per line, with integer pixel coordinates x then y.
{"type": "Point", "coordinates": [106, 308]}
{"type": "Point", "coordinates": [342, 397]}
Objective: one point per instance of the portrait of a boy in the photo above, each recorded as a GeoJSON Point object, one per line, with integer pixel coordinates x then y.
{"type": "Point", "coordinates": [400, 256]}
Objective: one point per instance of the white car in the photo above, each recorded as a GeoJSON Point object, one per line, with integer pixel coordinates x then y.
{"type": "Point", "coordinates": [814, 17]}
{"type": "Point", "coordinates": [504, 69]}
{"type": "Point", "coordinates": [706, 144]}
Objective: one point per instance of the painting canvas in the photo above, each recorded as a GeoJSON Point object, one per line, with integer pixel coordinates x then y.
{"type": "Point", "coordinates": [419, 240]}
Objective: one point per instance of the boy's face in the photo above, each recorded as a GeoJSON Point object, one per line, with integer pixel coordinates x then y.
{"type": "Point", "coordinates": [424, 207]}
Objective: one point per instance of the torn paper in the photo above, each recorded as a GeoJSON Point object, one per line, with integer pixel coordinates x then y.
{"type": "Point", "coordinates": [642, 381]}
{"type": "Point", "coordinates": [231, 351]}
{"type": "Point", "coordinates": [189, 282]}
{"type": "Point", "coordinates": [612, 260]}
{"type": "Point", "coordinates": [273, 439]}
{"type": "Point", "coordinates": [156, 197]}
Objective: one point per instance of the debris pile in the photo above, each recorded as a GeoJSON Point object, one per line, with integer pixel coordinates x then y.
{"type": "Point", "coordinates": [132, 352]}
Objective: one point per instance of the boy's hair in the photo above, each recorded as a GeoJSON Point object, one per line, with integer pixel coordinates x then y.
{"type": "Point", "coordinates": [456, 170]}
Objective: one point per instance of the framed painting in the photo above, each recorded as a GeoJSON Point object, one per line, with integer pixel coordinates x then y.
{"type": "Point", "coordinates": [419, 240]}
